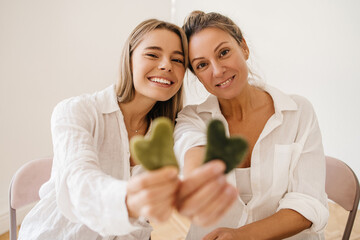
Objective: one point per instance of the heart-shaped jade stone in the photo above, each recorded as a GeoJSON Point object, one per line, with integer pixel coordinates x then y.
{"type": "Point", "coordinates": [156, 149]}
{"type": "Point", "coordinates": [230, 150]}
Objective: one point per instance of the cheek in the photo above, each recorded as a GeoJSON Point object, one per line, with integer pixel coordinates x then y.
{"type": "Point", "coordinates": [204, 77]}
{"type": "Point", "coordinates": [242, 64]}
{"type": "Point", "coordinates": [138, 71]}
{"type": "Point", "coordinates": [245, 70]}
{"type": "Point", "coordinates": [180, 73]}
{"type": "Point", "coordinates": [138, 65]}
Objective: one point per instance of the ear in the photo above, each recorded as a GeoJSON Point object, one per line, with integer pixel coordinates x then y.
{"type": "Point", "coordinates": [245, 49]}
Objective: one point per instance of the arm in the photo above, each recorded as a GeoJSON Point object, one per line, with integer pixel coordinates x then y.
{"type": "Point", "coordinates": [271, 227]}
{"type": "Point", "coordinates": [193, 159]}
{"type": "Point", "coordinates": [84, 192]}
{"type": "Point", "coordinates": [304, 206]}
{"type": "Point", "coordinates": [152, 194]}
{"type": "Point", "coordinates": [306, 190]}
{"type": "Point", "coordinates": [204, 194]}
{"type": "Point", "coordinates": [268, 228]}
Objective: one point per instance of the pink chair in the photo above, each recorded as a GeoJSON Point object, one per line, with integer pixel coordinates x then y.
{"type": "Point", "coordinates": [342, 187]}
{"type": "Point", "coordinates": [24, 187]}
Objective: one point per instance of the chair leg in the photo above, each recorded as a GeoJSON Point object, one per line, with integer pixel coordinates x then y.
{"type": "Point", "coordinates": [349, 225]}
{"type": "Point", "coordinates": [13, 225]}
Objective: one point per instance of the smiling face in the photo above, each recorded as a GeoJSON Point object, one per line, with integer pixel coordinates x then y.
{"type": "Point", "coordinates": [158, 65]}
{"type": "Point", "coordinates": [219, 62]}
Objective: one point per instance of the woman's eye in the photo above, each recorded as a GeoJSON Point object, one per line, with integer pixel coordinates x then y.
{"type": "Point", "coordinates": [224, 52]}
{"type": "Point", "coordinates": [200, 65]}
{"type": "Point", "coordinates": [151, 55]}
{"type": "Point", "coordinates": [178, 60]}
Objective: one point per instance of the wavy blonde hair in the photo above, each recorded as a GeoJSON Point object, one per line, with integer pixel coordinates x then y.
{"type": "Point", "coordinates": [125, 85]}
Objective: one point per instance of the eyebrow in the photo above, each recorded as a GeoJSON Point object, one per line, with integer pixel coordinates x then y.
{"type": "Point", "coordinates": [217, 47]}
{"type": "Point", "coordinates": [160, 49]}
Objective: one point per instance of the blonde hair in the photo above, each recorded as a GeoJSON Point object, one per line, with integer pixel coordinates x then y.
{"type": "Point", "coordinates": [125, 86]}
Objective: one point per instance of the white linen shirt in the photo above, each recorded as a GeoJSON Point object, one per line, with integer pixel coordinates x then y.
{"type": "Point", "coordinates": [85, 196]}
{"type": "Point", "coordinates": [287, 163]}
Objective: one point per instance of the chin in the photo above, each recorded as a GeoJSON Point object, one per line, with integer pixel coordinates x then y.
{"type": "Point", "coordinates": [159, 97]}
{"type": "Point", "coordinates": [162, 99]}
{"type": "Point", "coordinates": [233, 93]}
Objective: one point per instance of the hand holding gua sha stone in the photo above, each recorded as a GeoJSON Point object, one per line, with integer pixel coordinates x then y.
{"type": "Point", "coordinates": [156, 150]}
{"type": "Point", "coordinates": [230, 150]}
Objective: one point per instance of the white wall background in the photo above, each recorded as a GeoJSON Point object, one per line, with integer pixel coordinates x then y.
{"type": "Point", "coordinates": [51, 50]}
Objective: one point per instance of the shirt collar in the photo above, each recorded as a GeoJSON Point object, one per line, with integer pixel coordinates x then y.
{"type": "Point", "coordinates": [282, 102]}
{"type": "Point", "coordinates": [107, 100]}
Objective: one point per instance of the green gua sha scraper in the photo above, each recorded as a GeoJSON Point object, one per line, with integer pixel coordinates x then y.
{"type": "Point", "coordinates": [230, 150]}
{"type": "Point", "coordinates": [156, 150]}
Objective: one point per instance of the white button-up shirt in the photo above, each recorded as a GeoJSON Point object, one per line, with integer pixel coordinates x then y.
{"type": "Point", "coordinates": [85, 196]}
{"type": "Point", "coordinates": [287, 163]}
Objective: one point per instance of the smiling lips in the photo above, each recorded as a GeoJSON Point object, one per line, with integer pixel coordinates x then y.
{"type": "Point", "coordinates": [160, 80]}
{"type": "Point", "coordinates": [225, 82]}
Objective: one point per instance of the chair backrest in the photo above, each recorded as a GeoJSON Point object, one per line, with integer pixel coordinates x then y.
{"type": "Point", "coordinates": [24, 187]}
{"type": "Point", "coordinates": [342, 187]}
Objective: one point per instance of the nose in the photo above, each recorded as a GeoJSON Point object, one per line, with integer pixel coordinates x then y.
{"type": "Point", "coordinates": [165, 65]}
{"type": "Point", "coordinates": [218, 69]}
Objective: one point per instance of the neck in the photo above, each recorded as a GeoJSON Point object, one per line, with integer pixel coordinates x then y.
{"type": "Point", "coordinates": [239, 107]}
{"type": "Point", "coordinates": [135, 112]}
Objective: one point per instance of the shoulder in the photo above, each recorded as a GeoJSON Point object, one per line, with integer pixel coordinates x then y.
{"type": "Point", "coordinates": [303, 104]}
{"type": "Point", "coordinates": [188, 116]}
{"type": "Point", "coordinates": [288, 102]}
{"type": "Point", "coordinates": [85, 101]}
{"type": "Point", "coordinates": [83, 106]}
{"type": "Point", "coordinates": [188, 110]}
{"type": "Point", "coordinates": [209, 106]}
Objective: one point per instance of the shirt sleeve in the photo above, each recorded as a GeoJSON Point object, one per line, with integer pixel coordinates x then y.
{"type": "Point", "coordinates": [84, 193]}
{"type": "Point", "coordinates": [190, 131]}
{"type": "Point", "coordinates": [306, 190]}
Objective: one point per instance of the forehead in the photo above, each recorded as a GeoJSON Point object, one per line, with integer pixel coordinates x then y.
{"type": "Point", "coordinates": [206, 41]}
{"type": "Point", "coordinates": [163, 38]}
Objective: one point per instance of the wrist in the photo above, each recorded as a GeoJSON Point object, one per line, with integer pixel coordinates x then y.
{"type": "Point", "coordinates": [131, 214]}
{"type": "Point", "coordinates": [246, 233]}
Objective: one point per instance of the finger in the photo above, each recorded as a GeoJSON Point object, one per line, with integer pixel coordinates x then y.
{"type": "Point", "coordinates": [201, 176]}
{"type": "Point", "coordinates": [158, 192]}
{"type": "Point", "coordinates": [140, 206]}
{"type": "Point", "coordinates": [220, 211]}
{"type": "Point", "coordinates": [153, 193]}
{"type": "Point", "coordinates": [203, 197]}
{"type": "Point", "coordinates": [215, 210]}
{"type": "Point", "coordinates": [151, 178]}
{"type": "Point", "coordinates": [212, 236]}
{"type": "Point", "coordinates": [158, 212]}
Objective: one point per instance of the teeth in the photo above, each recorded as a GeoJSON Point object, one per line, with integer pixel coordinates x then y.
{"type": "Point", "coordinates": [227, 81]}
{"type": "Point", "coordinates": [160, 80]}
